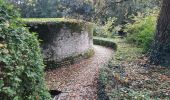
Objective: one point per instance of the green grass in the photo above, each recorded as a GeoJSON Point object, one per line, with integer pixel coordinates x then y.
{"type": "Point", "coordinates": [44, 19]}
{"type": "Point", "coordinates": [125, 51]}
{"type": "Point", "coordinates": [47, 20]}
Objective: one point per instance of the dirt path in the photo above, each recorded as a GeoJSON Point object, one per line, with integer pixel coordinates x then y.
{"type": "Point", "coordinates": [79, 81]}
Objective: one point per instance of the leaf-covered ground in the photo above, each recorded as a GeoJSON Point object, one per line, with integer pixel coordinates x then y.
{"type": "Point", "coordinates": [79, 81]}
{"type": "Point", "coordinates": [130, 77]}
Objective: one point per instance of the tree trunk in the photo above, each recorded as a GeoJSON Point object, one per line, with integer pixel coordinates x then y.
{"type": "Point", "coordinates": [160, 51]}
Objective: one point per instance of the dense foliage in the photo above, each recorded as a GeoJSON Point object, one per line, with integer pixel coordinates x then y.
{"type": "Point", "coordinates": [21, 64]}
{"type": "Point", "coordinates": [107, 30]}
{"type": "Point", "coordinates": [123, 9]}
{"type": "Point", "coordinates": [94, 10]}
{"type": "Point", "coordinates": [54, 8]}
{"type": "Point", "coordinates": [141, 32]}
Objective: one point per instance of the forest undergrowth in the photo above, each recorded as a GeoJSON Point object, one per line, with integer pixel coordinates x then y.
{"type": "Point", "coordinates": [129, 76]}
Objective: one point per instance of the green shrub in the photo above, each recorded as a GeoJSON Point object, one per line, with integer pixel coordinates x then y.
{"type": "Point", "coordinates": [141, 32]}
{"type": "Point", "coordinates": [104, 42]}
{"type": "Point", "coordinates": [105, 31]}
{"type": "Point", "coordinates": [21, 64]}
{"type": "Point", "coordinates": [99, 31]}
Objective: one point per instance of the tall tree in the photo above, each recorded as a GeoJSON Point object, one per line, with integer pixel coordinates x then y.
{"type": "Point", "coordinates": [160, 52]}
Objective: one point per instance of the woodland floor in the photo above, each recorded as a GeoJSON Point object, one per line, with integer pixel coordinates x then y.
{"type": "Point", "coordinates": [79, 81]}
{"type": "Point", "coordinates": [129, 76]}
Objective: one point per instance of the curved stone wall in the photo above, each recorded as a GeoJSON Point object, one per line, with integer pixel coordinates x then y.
{"type": "Point", "coordinates": [63, 42]}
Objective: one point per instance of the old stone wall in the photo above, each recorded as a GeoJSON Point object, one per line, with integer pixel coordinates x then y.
{"type": "Point", "coordinates": [66, 44]}
{"type": "Point", "coordinates": [62, 43]}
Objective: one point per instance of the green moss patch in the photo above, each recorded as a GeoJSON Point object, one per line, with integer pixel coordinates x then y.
{"type": "Point", "coordinates": [105, 42]}
{"type": "Point", "coordinates": [69, 60]}
{"type": "Point", "coordinates": [48, 27]}
{"type": "Point", "coordinates": [72, 24]}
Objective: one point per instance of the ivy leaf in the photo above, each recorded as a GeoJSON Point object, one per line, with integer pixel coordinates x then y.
{"type": "Point", "coordinates": [9, 90]}
{"type": "Point", "coordinates": [17, 79]}
{"type": "Point", "coordinates": [16, 98]}
{"type": "Point", "coordinates": [1, 45]}
{"type": "Point", "coordinates": [1, 83]}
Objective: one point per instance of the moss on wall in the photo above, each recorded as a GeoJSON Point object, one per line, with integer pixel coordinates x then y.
{"type": "Point", "coordinates": [70, 60]}
{"type": "Point", "coordinates": [47, 27]}
{"type": "Point", "coordinates": [72, 24]}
